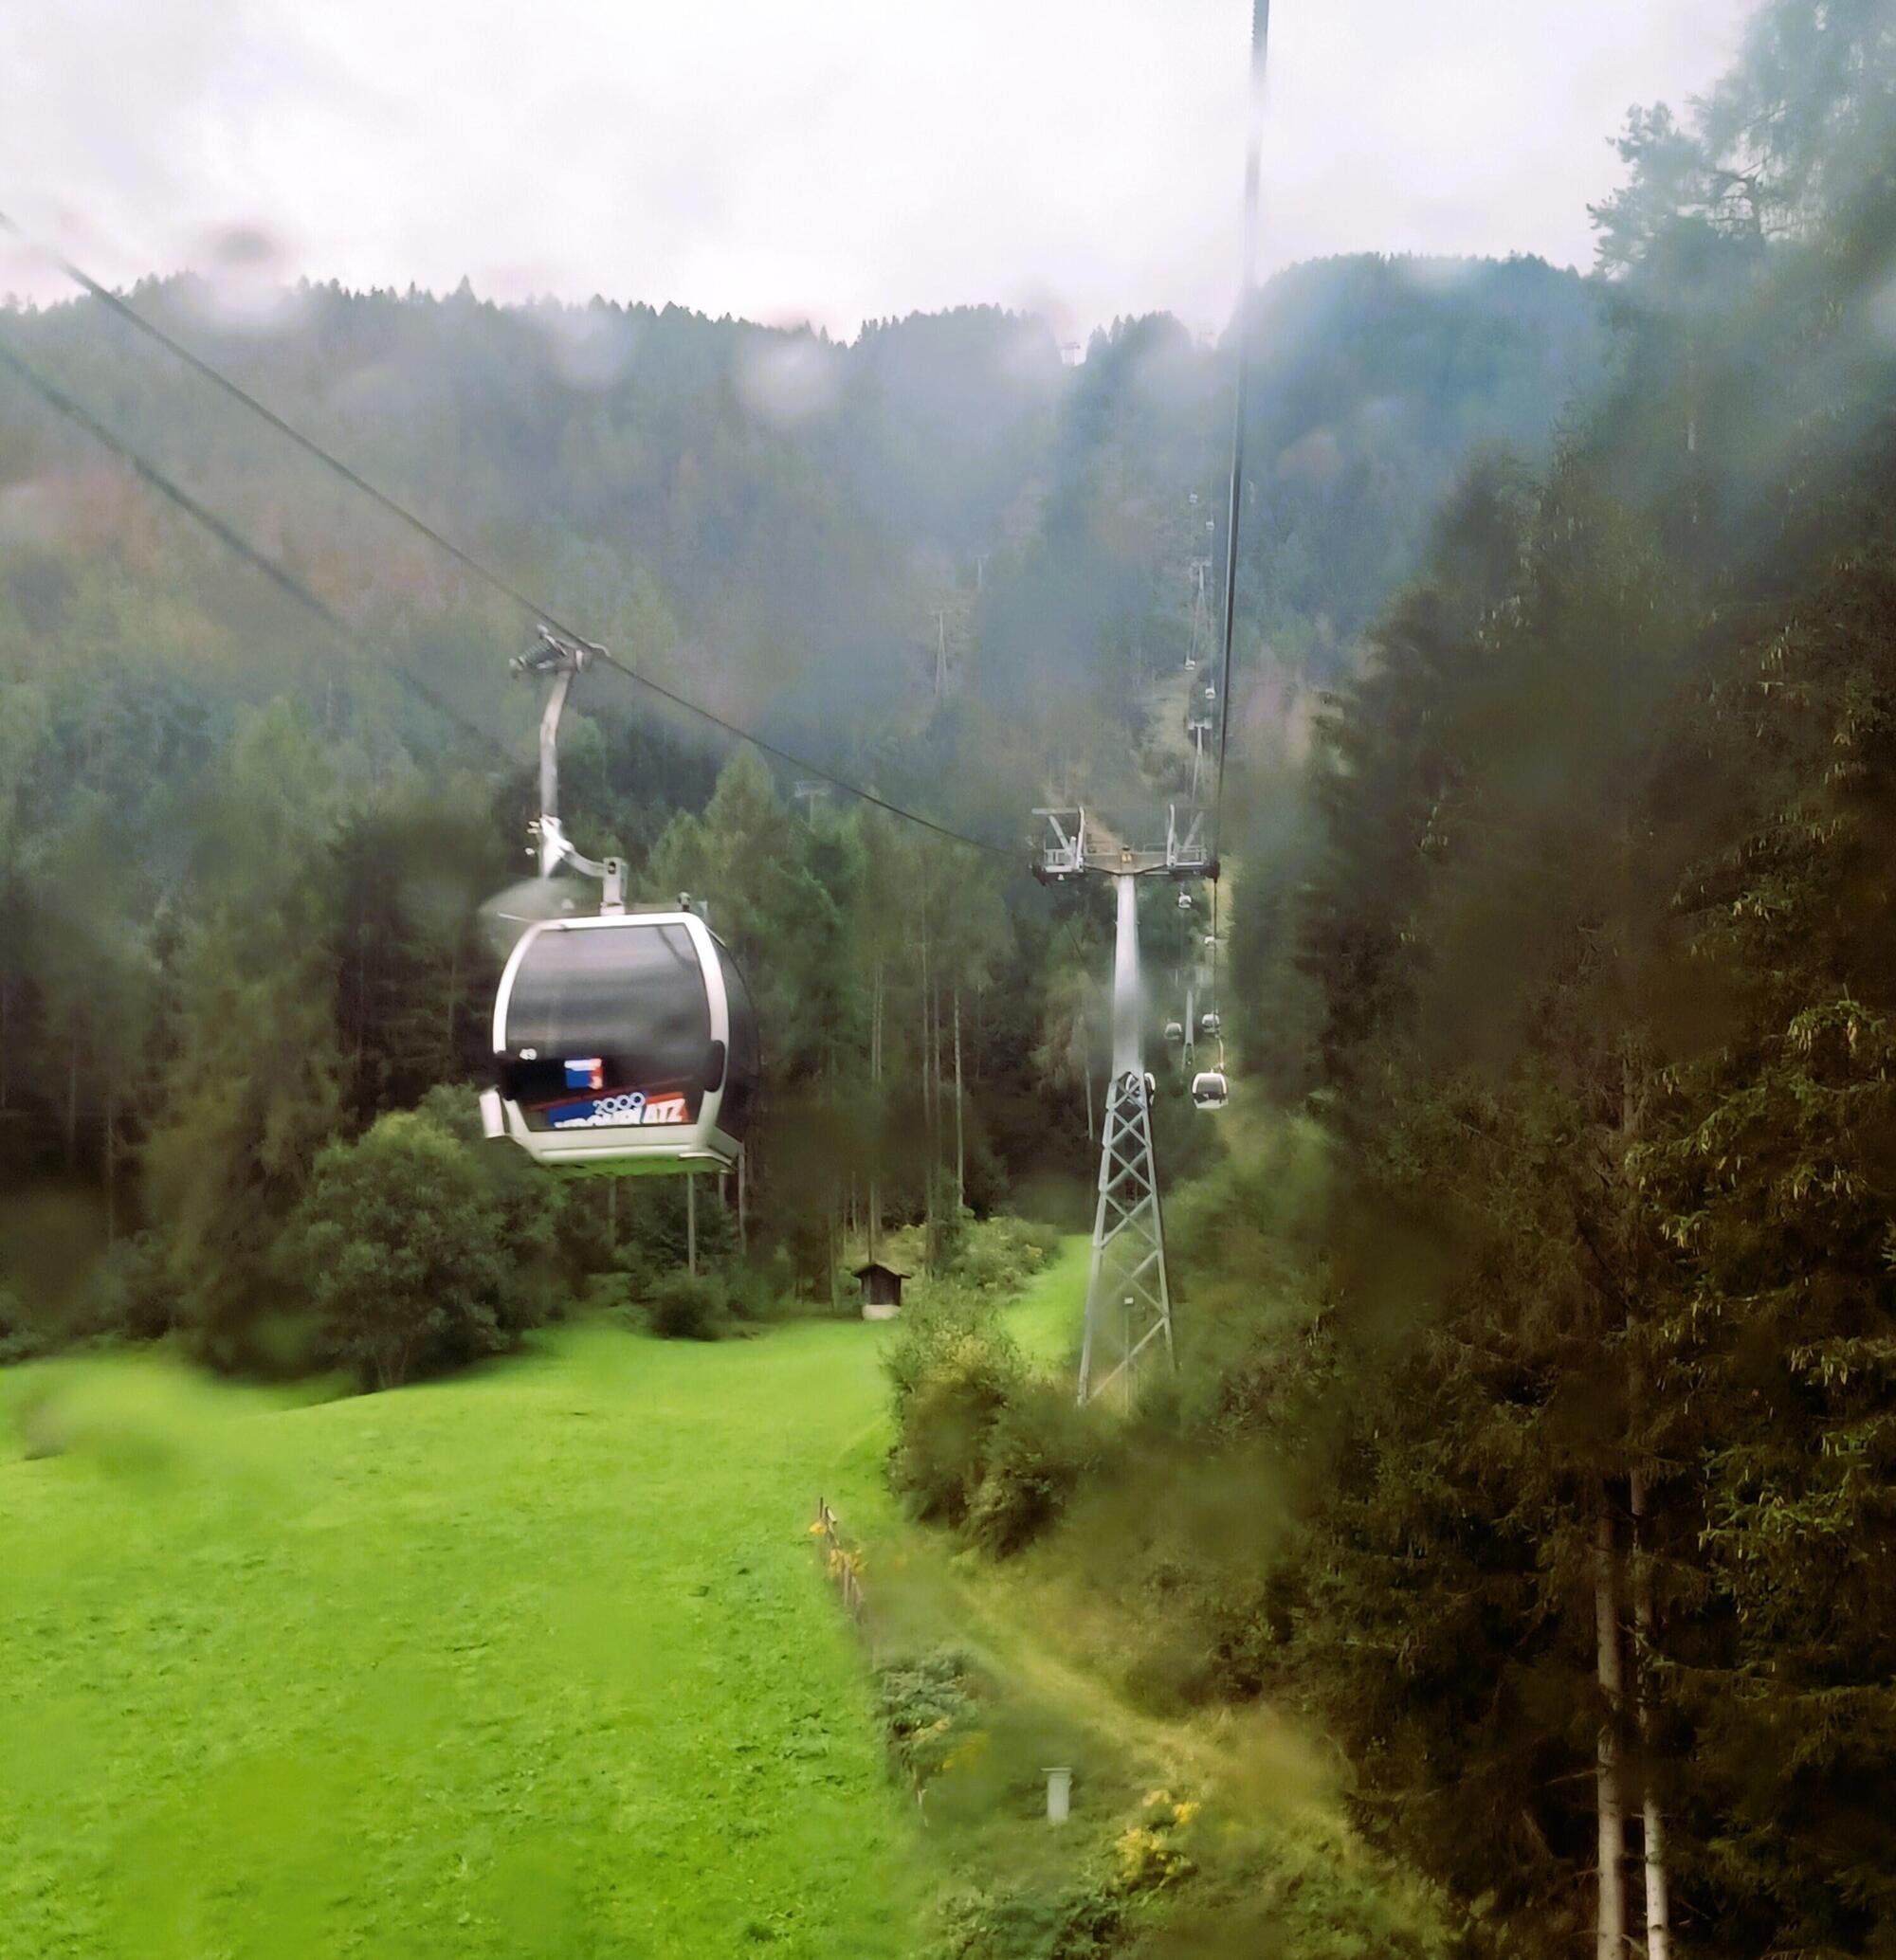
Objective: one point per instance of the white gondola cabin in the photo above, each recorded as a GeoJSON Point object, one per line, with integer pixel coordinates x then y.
{"type": "Point", "coordinates": [1210, 1090]}
{"type": "Point", "coordinates": [624, 1043]}
{"type": "Point", "coordinates": [1209, 1024]}
{"type": "Point", "coordinates": [1175, 1031]}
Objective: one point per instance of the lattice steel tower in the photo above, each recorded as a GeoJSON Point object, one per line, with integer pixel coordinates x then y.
{"type": "Point", "coordinates": [1128, 1291]}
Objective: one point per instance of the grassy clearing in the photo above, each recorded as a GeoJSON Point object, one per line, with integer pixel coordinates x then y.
{"type": "Point", "coordinates": [531, 1662]}
{"type": "Point", "coordinates": [538, 1663]}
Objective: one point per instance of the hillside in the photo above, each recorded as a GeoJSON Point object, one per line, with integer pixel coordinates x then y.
{"type": "Point", "coordinates": [773, 520]}
{"type": "Point", "coordinates": [533, 1663]}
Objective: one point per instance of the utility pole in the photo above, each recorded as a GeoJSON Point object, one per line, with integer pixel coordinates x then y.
{"type": "Point", "coordinates": [941, 650]}
{"type": "Point", "coordinates": [1128, 1290]}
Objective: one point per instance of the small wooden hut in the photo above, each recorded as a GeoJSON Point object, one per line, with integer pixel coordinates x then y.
{"type": "Point", "coordinates": [882, 1289]}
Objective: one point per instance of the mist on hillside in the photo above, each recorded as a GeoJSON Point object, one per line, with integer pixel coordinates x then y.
{"type": "Point", "coordinates": [937, 542]}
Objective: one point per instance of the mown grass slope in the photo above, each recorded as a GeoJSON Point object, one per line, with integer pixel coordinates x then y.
{"type": "Point", "coordinates": [533, 1663]}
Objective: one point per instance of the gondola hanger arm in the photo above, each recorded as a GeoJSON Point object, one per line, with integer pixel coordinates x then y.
{"type": "Point", "coordinates": [561, 659]}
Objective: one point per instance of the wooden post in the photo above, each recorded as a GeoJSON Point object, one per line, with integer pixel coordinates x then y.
{"type": "Point", "coordinates": [691, 1222]}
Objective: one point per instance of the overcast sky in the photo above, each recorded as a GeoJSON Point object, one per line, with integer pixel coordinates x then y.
{"type": "Point", "coordinates": [820, 159]}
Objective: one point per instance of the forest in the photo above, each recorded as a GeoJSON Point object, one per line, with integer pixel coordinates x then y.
{"type": "Point", "coordinates": [246, 864]}
{"type": "Point", "coordinates": [1534, 1432]}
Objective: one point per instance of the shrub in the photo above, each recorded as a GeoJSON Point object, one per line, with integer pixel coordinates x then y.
{"type": "Point", "coordinates": [932, 1329]}
{"type": "Point", "coordinates": [981, 1444]}
{"type": "Point", "coordinates": [638, 1271]}
{"type": "Point", "coordinates": [926, 1704]}
{"type": "Point", "coordinates": [762, 1290]}
{"type": "Point", "coordinates": [997, 1256]}
{"type": "Point", "coordinates": [680, 1307]}
{"type": "Point", "coordinates": [1038, 1447]}
{"type": "Point", "coordinates": [533, 1214]}
{"type": "Point", "coordinates": [132, 1292]}
{"type": "Point", "coordinates": [399, 1247]}
{"type": "Point", "coordinates": [1148, 1852]}
{"type": "Point", "coordinates": [953, 1370]}
{"type": "Point", "coordinates": [19, 1339]}
{"type": "Point", "coordinates": [1077, 1922]}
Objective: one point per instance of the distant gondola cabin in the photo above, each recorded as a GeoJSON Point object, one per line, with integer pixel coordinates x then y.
{"type": "Point", "coordinates": [882, 1290]}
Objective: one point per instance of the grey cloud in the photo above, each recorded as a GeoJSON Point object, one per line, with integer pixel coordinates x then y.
{"type": "Point", "coordinates": [839, 161]}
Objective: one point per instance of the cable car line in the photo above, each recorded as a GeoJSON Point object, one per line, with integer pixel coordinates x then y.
{"type": "Point", "coordinates": [233, 540]}
{"type": "Point", "coordinates": [1211, 1088]}
{"type": "Point", "coordinates": [480, 571]}
{"type": "Point", "coordinates": [1260, 40]}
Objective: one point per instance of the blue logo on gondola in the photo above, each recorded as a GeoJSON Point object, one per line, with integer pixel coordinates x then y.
{"type": "Point", "coordinates": [625, 1109]}
{"type": "Point", "coordinates": [589, 1072]}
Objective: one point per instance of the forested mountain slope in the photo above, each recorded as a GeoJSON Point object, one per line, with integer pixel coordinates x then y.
{"type": "Point", "coordinates": [241, 863]}
{"type": "Point", "coordinates": [779, 517]}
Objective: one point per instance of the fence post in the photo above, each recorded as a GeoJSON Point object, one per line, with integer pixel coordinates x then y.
{"type": "Point", "coordinates": [841, 1563]}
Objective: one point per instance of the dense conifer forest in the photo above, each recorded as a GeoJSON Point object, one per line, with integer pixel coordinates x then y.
{"type": "Point", "coordinates": [243, 863]}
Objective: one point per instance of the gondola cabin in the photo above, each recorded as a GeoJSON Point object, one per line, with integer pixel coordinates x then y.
{"type": "Point", "coordinates": [1210, 1090]}
{"type": "Point", "coordinates": [882, 1290]}
{"type": "Point", "coordinates": [624, 1043]}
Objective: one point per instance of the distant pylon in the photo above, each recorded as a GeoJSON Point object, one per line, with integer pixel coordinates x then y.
{"type": "Point", "coordinates": [1128, 1295]}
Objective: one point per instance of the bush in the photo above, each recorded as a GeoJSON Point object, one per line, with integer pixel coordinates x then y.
{"type": "Point", "coordinates": [926, 1705]}
{"type": "Point", "coordinates": [132, 1292]}
{"type": "Point", "coordinates": [680, 1307]}
{"type": "Point", "coordinates": [981, 1444]}
{"type": "Point", "coordinates": [953, 1371]}
{"type": "Point", "coordinates": [1038, 1447]}
{"type": "Point", "coordinates": [1078, 1922]}
{"type": "Point", "coordinates": [533, 1214]}
{"type": "Point", "coordinates": [403, 1253]}
{"type": "Point", "coordinates": [19, 1339]}
{"type": "Point", "coordinates": [638, 1270]}
{"type": "Point", "coordinates": [999, 1256]}
{"type": "Point", "coordinates": [763, 1290]}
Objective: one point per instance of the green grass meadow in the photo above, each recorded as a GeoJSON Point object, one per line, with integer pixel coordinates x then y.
{"type": "Point", "coordinates": [534, 1662]}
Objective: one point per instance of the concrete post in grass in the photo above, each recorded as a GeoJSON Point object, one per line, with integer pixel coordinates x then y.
{"type": "Point", "coordinates": [1059, 1795]}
